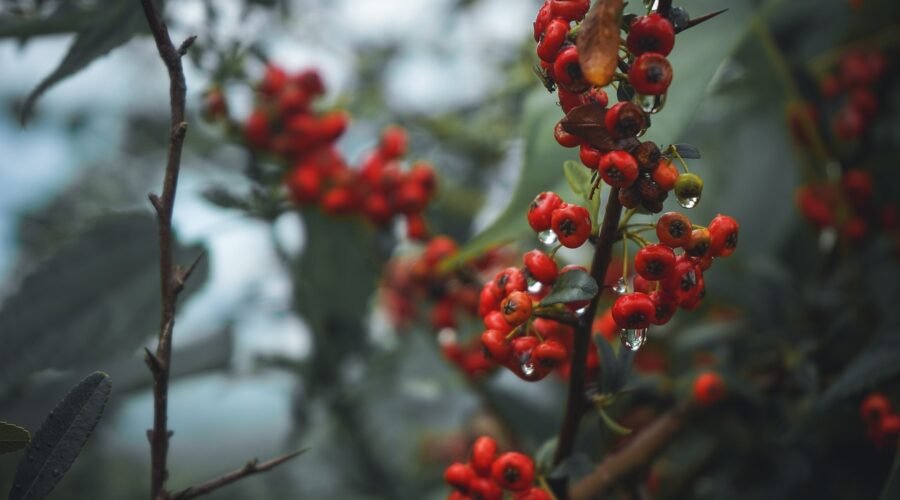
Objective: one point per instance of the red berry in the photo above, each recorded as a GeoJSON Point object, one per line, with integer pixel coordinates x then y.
{"type": "Point", "coordinates": [857, 184]}
{"type": "Point", "coordinates": [544, 16]}
{"type": "Point", "coordinates": [422, 173]}
{"type": "Point", "coordinates": [849, 123]}
{"type": "Point", "coordinates": [550, 354]}
{"type": "Point", "coordinates": [889, 428]}
{"type": "Point", "coordinates": [665, 174]}
{"type": "Point", "coordinates": [459, 476]}
{"type": "Point", "coordinates": [855, 71]}
{"type": "Point", "coordinates": [664, 306]}
{"type": "Point", "coordinates": [484, 450]}
{"type": "Point", "coordinates": [618, 169]}
{"type": "Point", "coordinates": [378, 209]}
{"type": "Point", "coordinates": [495, 345]}
{"type": "Point", "coordinates": [569, 100]}
{"type": "Point", "coordinates": [340, 200]}
{"type": "Point", "coordinates": [485, 489]}
{"type": "Point", "coordinates": [510, 280]}
{"type": "Point", "coordinates": [394, 142]}
{"type": "Point", "coordinates": [643, 285]}
{"type": "Point", "coordinates": [699, 244]}
{"type": "Point", "coordinates": [633, 311]}
{"type": "Point", "coordinates": [570, 10]}
{"type": "Point", "coordinates": [494, 320]}
{"type": "Point", "coordinates": [488, 300]}
{"type": "Point", "coordinates": [572, 225]}
{"type": "Point", "coordinates": [540, 212]}
{"type": "Point", "coordinates": [624, 120]}
{"type": "Point", "coordinates": [305, 184]}
{"type": "Point", "coordinates": [535, 493]}
{"type": "Point", "coordinates": [513, 471]}
{"type": "Point", "coordinates": [310, 81]}
{"type": "Point", "coordinates": [650, 74]}
{"type": "Point", "coordinates": [564, 138]}
{"type": "Point", "coordinates": [650, 33]}
{"type": "Point", "coordinates": [683, 279]}
{"type": "Point", "coordinates": [256, 129]}
{"type": "Point", "coordinates": [567, 70]}
{"type": "Point", "coordinates": [273, 81]}
{"type": "Point", "coordinates": [292, 100]}
{"type": "Point", "coordinates": [416, 228]}
{"type": "Point", "coordinates": [874, 408]}
{"type": "Point", "coordinates": [516, 308]}
{"type": "Point", "coordinates": [332, 125]}
{"type": "Point", "coordinates": [590, 156]}
{"type": "Point", "coordinates": [553, 39]}
{"type": "Point", "coordinates": [410, 198]}
{"type": "Point", "coordinates": [709, 388]}
{"type": "Point", "coordinates": [439, 248]}
{"type": "Point", "coordinates": [541, 266]}
{"type": "Point", "coordinates": [654, 262]}
{"type": "Point", "coordinates": [214, 104]}
{"type": "Point", "coordinates": [723, 234]}
{"type": "Point", "coordinates": [692, 299]}
{"type": "Point", "coordinates": [673, 229]}
{"type": "Point", "coordinates": [598, 96]}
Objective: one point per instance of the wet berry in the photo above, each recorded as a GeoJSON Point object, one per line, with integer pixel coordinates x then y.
{"type": "Point", "coordinates": [513, 471]}
{"type": "Point", "coordinates": [541, 266]}
{"type": "Point", "coordinates": [572, 225]}
{"type": "Point", "coordinates": [516, 308]}
{"type": "Point", "coordinates": [723, 233]}
{"type": "Point", "coordinates": [650, 74]}
{"type": "Point", "coordinates": [654, 262]}
{"type": "Point", "coordinates": [650, 33]}
{"type": "Point", "coordinates": [618, 169]}
{"type": "Point", "coordinates": [624, 120]}
{"type": "Point", "coordinates": [484, 450]}
{"type": "Point", "coordinates": [633, 311]}
{"type": "Point", "coordinates": [541, 210]}
{"type": "Point", "coordinates": [673, 229]}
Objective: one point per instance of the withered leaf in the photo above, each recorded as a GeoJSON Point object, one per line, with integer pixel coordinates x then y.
{"type": "Point", "coordinates": [587, 122]}
{"type": "Point", "coordinates": [598, 42]}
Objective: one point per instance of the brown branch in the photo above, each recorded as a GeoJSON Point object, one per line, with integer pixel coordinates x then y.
{"type": "Point", "coordinates": [575, 403]}
{"type": "Point", "coordinates": [252, 467]}
{"type": "Point", "coordinates": [638, 453]}
{"type": "Point", "coordinates": [160, 363]}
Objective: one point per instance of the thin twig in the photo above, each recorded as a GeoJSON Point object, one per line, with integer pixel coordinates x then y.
{"type": "Point", "coordinates": [575, 404]}
{"type": "Point", "coordinates": [160, 363]}
{"type": "Point", "coordinates": [252, 467]}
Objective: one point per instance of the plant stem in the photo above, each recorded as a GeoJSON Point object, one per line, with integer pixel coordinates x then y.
{"type": "Point", "coordinates": [575, 404]}
{"type": "Point", "coordinates": [171, 278]}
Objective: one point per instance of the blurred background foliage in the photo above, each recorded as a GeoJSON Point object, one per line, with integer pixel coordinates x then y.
{"type": "Point", "coordinates": [280, 343]}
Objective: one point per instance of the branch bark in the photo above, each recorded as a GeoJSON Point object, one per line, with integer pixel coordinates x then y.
{"type": "Point", "coordinates": [638, 453]}
{"type": "Point", "coordinates": [252, 467]}
{"type": "Point", "coordinates": [582, 340]}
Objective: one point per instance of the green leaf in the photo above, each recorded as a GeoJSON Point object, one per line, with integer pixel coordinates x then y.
{"type": "Point", "coordinates": [613, 369]}
{"type": "Point", "coordinates": [58, 442]}
{"type": "Point", "coordinates": [579, 177]}
{"type": "Point", "coordinates": [612, 424]}
{"type": "Point", "coordinates": [572, 286]}
{"type": "Point", "coordinates": [66, 18]}
{"type": "Point", "coordinates": [542, 156]}
{"type": "Point", "coordinates": [12, 437]}
{"type": "Point", "coordinates": [113, 265]}
{"type": "Point", "coordinates": [112, 26]}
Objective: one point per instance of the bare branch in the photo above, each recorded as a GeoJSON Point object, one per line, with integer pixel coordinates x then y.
{"type": "Point", "coordinates": [252, 467]}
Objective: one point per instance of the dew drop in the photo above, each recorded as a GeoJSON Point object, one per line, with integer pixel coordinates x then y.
{"type": "Point", "coordinates": [528, 367]}
{"type": "Point", "coordinates": [547, 237]}
{"type": "Point", "coordinates": [688, 201]}
{"type": "Point", "coordinates": [536, 287]}
{"type": "Point", "coordinates": [827, 239]}
{"type": "Point", "coordinates": [620, 288]}
{"type": "Point", "coordinates": [633, 339]}
{"type": "Point", "coordinates": [581, 311]}
{"type": "Point", "coordinates": [446, 336]}
{"type": "Point", "coordinates": [650, 103]}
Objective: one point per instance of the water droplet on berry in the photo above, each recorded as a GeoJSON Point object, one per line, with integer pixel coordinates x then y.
{"type": "Point", "coordinates": [446, 336]}
{"type": "Point", "coordinates": [688, 201]}
{"type": "Point", "coordinates": [547, 237]}
{"type": "Point", "coordinates": [536, 287]}
{"type": "Point", "coordinates": [633, 339]}
{"type": "Point", "coordinates": [581, 311]}
{"type": "Point", "coordinates": [528, 367]}
{"type": "Point", "coordinates": [619, 288]}
{"type": "Point", "coordinates": [650, 103]}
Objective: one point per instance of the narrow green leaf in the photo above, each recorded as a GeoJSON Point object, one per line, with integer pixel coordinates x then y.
{"type": "Point", "coordinates": [12, 437]}
{"type": "Point", "coordinates": [612, 424]}
{"type": "Point", "coordinates": [114, 25]}
{"type": "Point", "coordinates": [578, 176]}
{"type": "Point", "coordinates": [60, 439]}
{"type": "Point", "coordinates": [572, 286]}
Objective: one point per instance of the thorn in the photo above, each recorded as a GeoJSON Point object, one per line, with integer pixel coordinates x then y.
{"type": "Point", "coordinates": [704, 18]}
{"type": "Point", "coordinates": [152, 361]}
{"type": "Point", "coordinates": [186, 44]}
{"type": "Point", "coordinates": [182, 275]}
{"type": "Point", "coordinates": [156, 202]}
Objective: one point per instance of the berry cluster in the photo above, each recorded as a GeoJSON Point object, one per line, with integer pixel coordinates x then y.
{"type": "Point", "coordinates": [486, 475]}
{"type": "Point", "coordinates": [517, 335]}
{"type": "Point", "coordinates": [851, 87]}
{"type": "Point", "coordinates": [882, 425]}
{"type": "Point", "coordinates": [644, 174]}
{"type": "Point", "coordinates": [665, 280]}
{"type": "Point", "coordinates": [414, 283]}
{"type": "Point", "coordinates": [285, 125]}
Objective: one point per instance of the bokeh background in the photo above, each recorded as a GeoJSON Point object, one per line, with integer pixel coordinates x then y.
{"type": "Point", "coordinates": [76, 234]}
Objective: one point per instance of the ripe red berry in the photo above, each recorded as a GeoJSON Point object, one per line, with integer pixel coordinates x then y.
{"type": "Point", "coordinates": [394, 142]}
{"type": "Point", "coordinates": [654, 262]}
{"type": "Point", "coordinates": [410, 198]}
{"type": "Point", "coordinates": [572, 225]}
{"type": "Point", "coordinates": [633, 311]}
{"type": "Point", "coordinates": [292, 100]}
{"type": "Point", "coordinates": [569, 100]}
{"type": "Point", "coordinates": [459, 476]}
{"type": "Point", "coordinates": [541, 266]}
{"type": "Point", "coordinates": [692, 299]}
{"type": "Point", "coordinates": [643, 285]}
{"type": "Point", "coordinates": [889, 428]}
{"type": "Point", "coordinates": [683, 279]}
{"type": "Point", "coordinates": [650, 74]}
{"type": "Point", "coordinates": [590, 156]}
{"type": "Point", "coordinates": [553, 39]}
{"type": "Point", "coordinates": [274, 80]}
{"type": "Point", "coordinates": [513, 471]}
{"type": "Point", "coordinates": [709, 388]}
{"type": "Point", "coordinates": [673, 229]}
{"type": "Point", "coordinates": [564, 138]}
{"type": "Point", "coordinates": [488, 300]}
{"type": "Point", "coordinates": [494, 320]}
{"type": "Point", "coordinates": [624, 119]}
{"type": "Point", "coordinates": [484, 450]}
{"type": "Point", "coordinates": [664, 306]}
{"type": "Point", "coordinates": [544, 16]}
{"type": "Point", "coordinates": [665, 174]}
{"type": "Point", "coordinates": [509, 280]}
{"type": "Point", "coordinates": [699, 244]}
{"type": "Point", "coordinates": [618, 169]}
{"type": "Point", "coordinates": [534, 493]}
{"type": "Point", "coordinates": [875, 407]}
{"type": "Point", "coordinates": [416, 229]}
{"type": "Point", "coordinates": [597, 95]}
{"type": "Point", "coordinates": [305, 184]}
{"type": "Point", "coordinates": [340, 200]}
{"type": "Point", "coordinates": [256, 129]}
{"type": "Point", "coordinates": [485, 489]}
{"type": "Point", "coordinates": [422, 173]}
{"type": "Point", "coordinates": [540, 212]}
{"type": "Point", "coordinates": [516, 308]}
{"type": "Point", "coordinates": [567, 71]}
{"type": "Point", "coordinates": [570, 10]}
{"type": "Point", "coordinates": [496, 346]}
{"type": "Point", "coordinates": [310, 81]}
{"type": "Point", "coordinates": [377, 209]}
{"type": "Point", "coordinates": [550, 354]}
{"type": "Point", "coordinates": [723, 234]}
{"type": "Point", "coordinates": [650, 33]}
